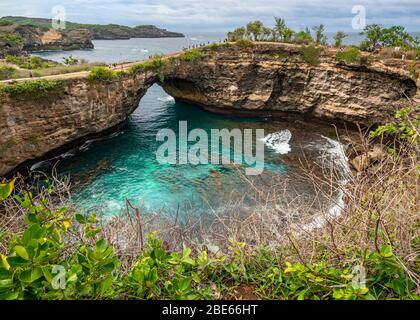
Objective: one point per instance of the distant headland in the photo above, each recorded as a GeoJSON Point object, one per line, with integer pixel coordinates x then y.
{"type": "Point", "coordinates": [31, 34]}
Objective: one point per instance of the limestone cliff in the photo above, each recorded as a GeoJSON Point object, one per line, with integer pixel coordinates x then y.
{"type": "Point", "coordinates": [15, 39]}
{"type": "Point", "coordinates": [31, 129]}
{"type": "Point", "coordinates": [273, 79]}
{"type": "Point", "coordinates": [265, 79]}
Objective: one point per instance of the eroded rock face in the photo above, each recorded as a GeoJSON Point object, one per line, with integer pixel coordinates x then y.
{"type": "Point", "coordinates": [251, 80]}
{"type": "Point", "coordinates": [36, 39]}
{"type": "Point", "coordinates": [30, 129]}
{"type": "Point", "coordinates": [230, 80]}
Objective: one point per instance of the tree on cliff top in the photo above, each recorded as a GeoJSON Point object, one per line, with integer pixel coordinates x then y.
{"type": "Point", "coordinates": [395, 36]}
{"type": "Point", "coordinates": [254, 30]}
{"type": "Point", "coordinates": [320, 37]}
{"type": "Point", "coordinates": [338, 38]}
{"type": "Point", "coordinates": [282, 31]}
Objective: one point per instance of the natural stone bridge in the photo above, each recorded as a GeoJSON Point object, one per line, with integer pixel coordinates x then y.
{"type": "Point", "coordinates": [267, 79]}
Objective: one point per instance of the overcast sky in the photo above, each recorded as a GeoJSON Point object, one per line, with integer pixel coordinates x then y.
{"type": "Point", "coordinates": [221, 15]}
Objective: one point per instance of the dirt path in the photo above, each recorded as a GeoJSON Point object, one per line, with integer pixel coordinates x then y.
{"type": "Point", "coordinates": [84, 74]}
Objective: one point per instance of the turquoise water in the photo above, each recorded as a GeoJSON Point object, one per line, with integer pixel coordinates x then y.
{"type": "Point", "coordinates": [107, 171]}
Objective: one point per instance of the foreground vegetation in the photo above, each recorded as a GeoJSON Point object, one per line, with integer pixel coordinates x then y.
{"type": "Point", "coordinates": [39, 88]}
{"type": "Point", "coordinates": [18, 67]}
{"type": "Point", "coordinates": [370, 251]}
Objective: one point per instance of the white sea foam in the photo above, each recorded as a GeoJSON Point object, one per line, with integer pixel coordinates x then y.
{"type": "Point", "coordinates": [279, 141]}
{"type": "Point", "coordinates": [166, 99]}
{"type": "Point", "coordinates": [335, 156]}
{"type": "Point", "coordinates": [113, 206]}
{"type": "Point", "coordinates": [144, 50]}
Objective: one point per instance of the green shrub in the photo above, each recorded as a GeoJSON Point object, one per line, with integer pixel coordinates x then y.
{"type": "Point", "coordinates": [31, 63]}
{"type": "Point", "coordinates": [310, 55]}
{"type": "Point", "coordinates": [280, 55]}
{"type": "Point", "coordinates": [31, 88]}
{"type": "Point", "coordinates": [349, 56]}
{"type": "Point", "coordinates": [244, 43]}
{"type": "Point", "coordinates": [193, 54]}
{"type": "Point", "coordinates": [40, 263]}
{"type": "Point", "coordinates": [155, 63]}
{"type": "Point", "coordinates": [214, 46]}
{"type": "Point", "coordinates": [412, 69]}
{"type": "Point", "coordinates": [405, 127]}
{"type": "Point", "coordinates": [102, 74]}
{"type": "Point", "coordinates": [37, 266]}
{"type": "Point", "coordinates": [70, 61]}
{"type": "Point", "coordinates": [6, 72]}
{"type": "Point", "coordinates": [161, 77]}
{"type": "Point", "coordinates": [12, 39]}
{"type": "Point", "coordinates": [4, 23]}
{"type": "Point", "coordinates": [158, 274]}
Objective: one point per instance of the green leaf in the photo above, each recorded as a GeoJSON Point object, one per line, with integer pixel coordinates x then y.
{"type": "Point", "coordinates": [21, 252]}
{"type": "Point", "coordinates": [33, 232]}
{"type": "Point", "coordinates": [184, 284]}
{"type": "Point", "coordinates": [47, 274]}
{"type": "Point", "coordinates": [106, 284]}
{"type": "Point", "coordinates": [6, 189]}
{"type": "Point", "coordinates": [386, 251]}
{"type": "Point", "coordinates": [101, 245]}
{"type": "Point", "coordinates": [301, 295]}
{"type": "Point", "coordinates": [80, 219]}
{"type": "Point", "coordinates": [186, 252]}
{"type": "Point", "coordinates": [31, 275]}
{"type": "Point", "coordinates": [6, 283]}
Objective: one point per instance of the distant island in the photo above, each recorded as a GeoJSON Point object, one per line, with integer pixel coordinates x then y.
{"type": "Point", "coordinates": [19, 34]}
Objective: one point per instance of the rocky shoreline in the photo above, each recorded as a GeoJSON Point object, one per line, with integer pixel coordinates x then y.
{"type": "Point", "coordinates": [17, 36]}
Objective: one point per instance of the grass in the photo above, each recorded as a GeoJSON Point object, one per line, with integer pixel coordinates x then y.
{"type": "Point", "coordinates": [12, 39]}
{"type": "Point", "coordinates": [192, 55]}
{"type": "Point", "coordinates": [100, 73]}
{"type": "Point", "coordinates": [412, 69]}
{"type": "Point", "coordinates": [310, 54]}
{"type": "Point", "coordinates": [30, 62]}
{"type": "Point", "coordinates": [31, 89]}
{"type": "Point", "coordinates": [214, 46]}
{"type": "Point", "coordinates": [280, 55]}
{"type": "Point", "coordinates": [6, 72]}
{"type": "Point", "coordinates": [349, 56]}
{"type": "Point", "coordinates": [244, 43]}
{"type": "Point", "coordinates": [9, 72]}
{"type": "Point", "coordinates": [156, 63]}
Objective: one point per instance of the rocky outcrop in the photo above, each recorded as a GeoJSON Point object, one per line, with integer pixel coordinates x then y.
{"type": "Point", "coordinates": [96, 31]}
{"type": "Point", "coordinates": [113, 32]}
{"type": "Point", "coordinates": [18, 39]}
{"type": "Point", "coordinates": [273, 79]}
{"type": "Point", "coordinates": [29, 129]}
{"type": "Point", "coordinates": [265, 79]}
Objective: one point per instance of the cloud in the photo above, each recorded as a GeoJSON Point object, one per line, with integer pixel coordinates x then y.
{"type": "Point", "coordinates": [221, 15]}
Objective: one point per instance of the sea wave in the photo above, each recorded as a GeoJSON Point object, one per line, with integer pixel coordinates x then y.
{"type": "Point", "coordinates": [72, 152]}
{"type": "Point", "coordinates": [166, 99]}
{"type": "Point", "coordinates": [279, 141]}
{"type": "Point", "coordinates": [335, 157]}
